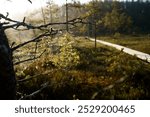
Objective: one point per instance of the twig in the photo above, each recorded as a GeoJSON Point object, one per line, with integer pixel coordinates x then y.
{"type": "Point", "coordinates": [30, 59]}
{"type": "Point", "coordinates": [30, 1]}
{"type": "Point", "coordinates": [32, 40]}
{"type": "Point", "coordinates": [17, 24]}
{"type": "Point", "coordinates": [31, 77]}
{"type": "Point", "coordinates": [44, 86]}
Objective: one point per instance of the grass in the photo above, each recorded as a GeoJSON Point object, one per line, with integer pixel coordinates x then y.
{"type": "Point", "coordinates": [102, 73]}
{"type": "Point", "coordinates": [140, 43]}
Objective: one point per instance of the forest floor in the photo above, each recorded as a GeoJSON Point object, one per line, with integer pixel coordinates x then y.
{"type": "Point", "coordinates": [88, 73]}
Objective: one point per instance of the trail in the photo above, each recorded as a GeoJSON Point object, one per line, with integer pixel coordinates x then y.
{"type": "Point", "coordinates": [132, 52]}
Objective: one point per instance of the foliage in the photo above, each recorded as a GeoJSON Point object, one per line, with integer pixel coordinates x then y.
{"type": "Point", "coordinates": [97, 69]}
{"type": "Point", "coordinates": [117, 20]}
{"type": "Point", "coordinates": [117, 65]}
{"type": "Point", "coordinates": [69, 56]}
{"type": "Point", "coordinates": [117, 35]}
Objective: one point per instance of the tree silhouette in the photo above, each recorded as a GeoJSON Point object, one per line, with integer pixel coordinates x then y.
{"type": "Point", "coordinates": [7, 74]}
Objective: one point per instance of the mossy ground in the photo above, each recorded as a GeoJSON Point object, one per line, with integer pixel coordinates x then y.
{"type": "Point", "coordinates": [138, 42]}
{"type": "Point", "coordinates": [103, 73]}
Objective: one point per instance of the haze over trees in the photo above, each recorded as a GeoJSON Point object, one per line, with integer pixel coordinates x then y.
{"type": "Point", "coordinates": [110, 17]}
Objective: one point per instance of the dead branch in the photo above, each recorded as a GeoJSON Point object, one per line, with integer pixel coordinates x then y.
{"type": "Point", "coordinates": [36, 47]}
{"type": "Point", "coordinates": [36, 39]}
{"type": "Point", "coordinates": [28, 79]}
{"type": "Point", "coordinates": [30, 1]}
{"type": "Point", "coordinates": [32, 77]}
{"type": "Point", "coordinates": [30, 59]}
{"type": "Point", "coordinates": [30, 96]}
{"type": "Point", "coordinates": [48, 32]}
{"type": "Point", "coordinates": [17, 24]}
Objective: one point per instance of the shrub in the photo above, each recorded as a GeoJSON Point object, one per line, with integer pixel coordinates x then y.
{"type": "Point", "coordinates": [117, 35]}
{"type": "Point", "coordinates": [69, 56]}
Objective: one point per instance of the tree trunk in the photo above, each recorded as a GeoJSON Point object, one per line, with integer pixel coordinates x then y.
{"type": "Point", "coordinates": [7, 74]}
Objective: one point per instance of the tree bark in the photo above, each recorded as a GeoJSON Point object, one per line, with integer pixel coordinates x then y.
{"type": "Point", "coordinates": [7, 74]}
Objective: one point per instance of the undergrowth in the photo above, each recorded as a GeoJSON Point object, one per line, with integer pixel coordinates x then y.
{"type": "Point", "coordinates": [90, 73]}
{"type": "Point", "coordinates": [140, 43]}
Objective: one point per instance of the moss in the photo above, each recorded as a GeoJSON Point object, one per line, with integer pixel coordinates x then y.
{"type": "Point", "coordinates": [98, 68]}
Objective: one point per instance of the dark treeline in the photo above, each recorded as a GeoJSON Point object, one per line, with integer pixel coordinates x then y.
{"type": "Point", "coordinates": [129, 17]}
{"type": "Point", "coordinates": [140, 13]}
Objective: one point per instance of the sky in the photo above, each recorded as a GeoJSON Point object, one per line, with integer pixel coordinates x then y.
{"type": "Point", "coordinates": [17, 8]}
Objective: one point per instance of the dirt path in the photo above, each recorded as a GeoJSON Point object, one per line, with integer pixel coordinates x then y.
{"type": "Point", "coordinates": [132, 52]}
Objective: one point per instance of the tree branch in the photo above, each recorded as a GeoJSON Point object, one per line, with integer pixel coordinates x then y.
{"type": "Point", "coordinates": [17, 24]}
{"type": "Point", "coordinates": [32, 77]}
{"type": "Point", "coordinates": [36, 39]}
{"type": "Point", "coordinates": [30, 59]}
{"type": "Point", "coordinates": [30, 1]}
{"type": "Point", "coordinates": [44, 86]}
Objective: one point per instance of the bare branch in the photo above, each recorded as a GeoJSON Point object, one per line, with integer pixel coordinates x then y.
{"type": "Point", "coordinates": [30, 59]}
{"type": "Point", "coordinates": [44, 86]}
{"type": "Point", "coordinates": [36, 47]}
{"type": "Point", "coordinates": [38, 38]}
{"type": "Point", "coordinates": [17, 24]}
{"type": "Point", "coordinates": [32, 77]}
{"type": "Point", "coordinates": [30, 1]}
{"type": "Point", "coordinates": [6, 18]}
